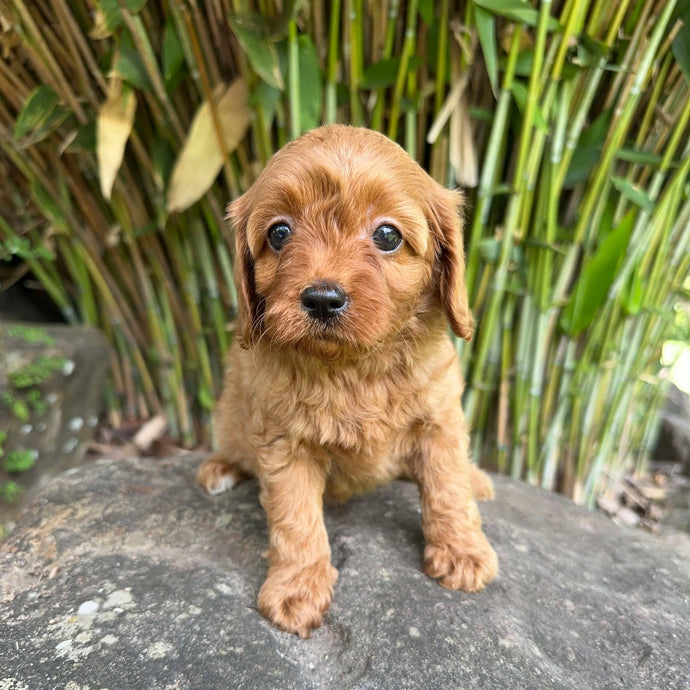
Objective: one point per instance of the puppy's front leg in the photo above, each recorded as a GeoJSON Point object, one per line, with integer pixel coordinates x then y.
{"type": "Point", "coordinates": [457, 553]}
{"type": "Point", "coordinates": [299, 585]}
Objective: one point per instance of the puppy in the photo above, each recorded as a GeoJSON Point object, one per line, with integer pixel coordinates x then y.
{"type": "Point", "coordinates": [349, 268]}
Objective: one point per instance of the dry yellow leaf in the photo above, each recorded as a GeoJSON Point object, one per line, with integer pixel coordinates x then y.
{"type": "Point", "coordinates": [113, 127]}
{"type": "Point", "coordinates": [463, 154]}
{"type": "Point", "coordinates": [201, 157]}
{"type": "Point", "coordinates": [100, 29]}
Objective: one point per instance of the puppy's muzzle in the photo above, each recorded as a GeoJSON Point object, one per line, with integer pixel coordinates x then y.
{"type": "Point", "coordinates": [324, 301]}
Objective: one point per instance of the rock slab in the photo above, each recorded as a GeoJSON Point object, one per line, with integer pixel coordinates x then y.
{"type": "Point", "coordinates": [673, 442]}
{"type": "Point", "coordinates": [61, 420]}
{"type": "Point", "coordinates": [125, 575]}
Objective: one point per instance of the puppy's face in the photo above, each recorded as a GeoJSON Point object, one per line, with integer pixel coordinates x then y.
{"type": "Point", "coordinates": [344, 242]}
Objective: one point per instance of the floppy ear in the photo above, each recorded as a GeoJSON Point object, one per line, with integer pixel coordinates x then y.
{"type": "Point", "coordinates": [247, 301]}
{"type": "Point", "coordinates": [446, 224]}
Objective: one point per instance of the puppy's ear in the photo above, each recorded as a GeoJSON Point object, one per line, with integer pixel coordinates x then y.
{"type": "Point", "coordinates": [247, 301]}
{"type": "Point", "coordinates": [446, 225]}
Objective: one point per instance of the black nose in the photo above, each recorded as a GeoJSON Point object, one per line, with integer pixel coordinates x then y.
{"type": "Point", "coordinates": [324, 301]}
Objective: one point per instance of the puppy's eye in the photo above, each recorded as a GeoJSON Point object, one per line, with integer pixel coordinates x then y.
{"type": "Point", "coordinates": [387, 238]}
{"type": "Point", "coordinates": [277, 234]}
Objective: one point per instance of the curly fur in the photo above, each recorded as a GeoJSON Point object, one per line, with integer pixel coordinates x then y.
{"type": "Point", "coordinates": [331, 409]}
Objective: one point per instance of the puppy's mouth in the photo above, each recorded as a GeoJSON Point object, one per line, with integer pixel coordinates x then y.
{"type": "Point", "coordinates": [334, 339]}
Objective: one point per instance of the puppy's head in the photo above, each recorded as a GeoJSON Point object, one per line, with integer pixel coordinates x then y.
{"type": "Point", "coordinates": [342, 243]}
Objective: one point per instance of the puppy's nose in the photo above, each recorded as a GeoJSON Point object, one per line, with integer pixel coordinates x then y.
{"type": "Point", "coordinates": [324, 301]}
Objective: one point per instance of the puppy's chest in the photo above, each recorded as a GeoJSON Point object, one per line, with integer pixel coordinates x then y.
{"type": "Point", "coordinates": [352, 415]}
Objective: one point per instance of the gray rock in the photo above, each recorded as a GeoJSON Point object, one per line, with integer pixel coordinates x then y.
{"type": "Point", "coordinates": [125, 575]}
{"type": "Point", "coordinates": [63, 417]}
{"type": "Point", "coordinates": [673, 442]}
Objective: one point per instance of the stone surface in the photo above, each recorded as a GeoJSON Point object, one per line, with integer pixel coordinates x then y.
{"type": "Point", "coordinates": [70, 400]}
{"type": "Point", "coordinates": [126, 575]}
{"type": "Point", "coordinates": [673, 443]}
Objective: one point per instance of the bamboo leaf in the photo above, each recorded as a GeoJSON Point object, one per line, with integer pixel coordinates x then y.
{"type": "Point", "coordinates": [633, 156]}
{"type": "Point", "coordinates": [519, 91]}
{"type": "Point", "coordinates": [278, 27]}
{"type": "Point", "coordinates": [130, 67]}
{"type": "Point", "coordinates": [383, 73]}
{"type": "Point", "coordinates": [173, 56]}
{"type": "Point", "coordinates": [588, 151]}
{"type": "Point", "coordinates": [135, 6]}
{"type": "Point", "coordinates": [634, 193]}
{"type": "Point", "coordinates": [106, 19]}
{"type": "Point", "coordinates": [596, 49]}
{"type": "Point", "coordinates": [517, 10]}
{"type": "Point", "coordinates": [596, 278]}
{"type": "Point", "coordinates": [261, 52]}
{"type": "Point", "coordinates": [49, 207]}
{"type": "Point", "coordinates": [40, 114]}
{"type": "Point", "coordinates": [426, 11]}
{"type": "Point", "coordinates": [108, 16]}
{"type": "Point", "coordinates": [163, 159]}
{"type": "Point", "coordinates": [84, 139]}
{"type": "Point", "coordinates": [681, 46]}
{"type": "Point", "coordinates": [113, 127]}
{"type": "Point", "coordinates": [486, 30]}
{"type": "Point", "coordinates": [311, 92]}
{"type": "Point", "coordinates": [201, 157]}
{"type": "Point", "coordinates": [266, 98]}
{"type": "Point", "coordinates": [633, 292]}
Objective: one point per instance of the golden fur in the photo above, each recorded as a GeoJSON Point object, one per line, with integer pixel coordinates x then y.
{"type": "Point", "coordinates": [317, 409]}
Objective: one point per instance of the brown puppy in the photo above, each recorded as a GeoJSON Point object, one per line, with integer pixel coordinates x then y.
{"type": "Point", "coordinates": [349, 267]}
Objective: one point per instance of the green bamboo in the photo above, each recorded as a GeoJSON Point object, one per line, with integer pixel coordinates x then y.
{"type": "Point", "coordinates": [391, 25]}
{"type": "Point", "coordinates": [331, 84]}
{"type": "Point", "coordinates": [563, 409]}
{"type": "Point", "coordinates": [293, 81]}
{"type": "Point", "coordinates": [407, 52]}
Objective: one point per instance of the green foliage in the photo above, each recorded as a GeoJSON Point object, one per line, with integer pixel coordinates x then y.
{"type": "Point", "coordinates": [36, 372]}
{"type": "Point", "coordinates": [31, 334]}
{"type": "Point", "coordinates": [25, 402]}
{"type": "Point", "coordinates": [518, 11]}
{"type": "Point", "coordinates": [41, 114]}
{"type": "Point", "coordinates": [252, 33]}
{"type": "Point", "coordinates": [573, 118]}
{"type": "Point", "coordinates": [17, 406]}
{"type": "Point", "coordinates": [596, 278]}
{"type": "Point", "coordinates": [22, 248]}
{"type": "Point", "coordinates": [19, 460]}
{"type": "Point", "coordinates": [10, 492]}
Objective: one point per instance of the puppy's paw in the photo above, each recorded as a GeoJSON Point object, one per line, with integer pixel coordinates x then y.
{"type": "Point", "coordinates": [217, 475]}
{"type": "Point", "coordinates": [482, 486]}
{"type": "Point", "coordinates": [296, 600]}
{"type": "Point", "coordinates": [468, 566]}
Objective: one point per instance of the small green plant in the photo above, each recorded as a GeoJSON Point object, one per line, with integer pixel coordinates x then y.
{"type": "Point", "coordinates": [20, 460]}
{"type": "Point", "coordinates": [37, 372]}
{"type": "Point", "coordinates": [24, 399]}
{"type": "Point", "coordinates": [31, 334]}
{"type": "Point", "coordinates": [36, 402]}
{"type": "Point", "coordinates": [10, 491]}
{"type": "Point", "coordinates": [17, 406]}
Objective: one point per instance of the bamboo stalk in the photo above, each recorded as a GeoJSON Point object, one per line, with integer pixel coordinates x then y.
{"type": "Point", "coordinates": [565, 409]}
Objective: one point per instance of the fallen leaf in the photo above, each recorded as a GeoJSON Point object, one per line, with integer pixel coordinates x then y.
{"type": "Point", "coordinates": [201, 157]}
{"type": "Point", "coordinates": [608, 504]}
{"type": "Point", "coordinates": [463, 155]}
{"type": "Point", "coordinates": [628, 517]}
{"type": "Point", "coordinates": [113, 127]}
{"type": "Point", "coordinates": [151, 431]}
